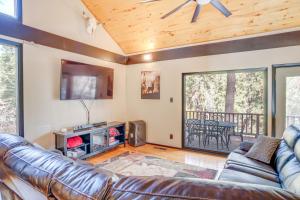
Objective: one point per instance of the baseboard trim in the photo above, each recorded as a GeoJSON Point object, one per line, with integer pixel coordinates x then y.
{"type": "Point", "coordinates": [164, 145]}
{"type": "Point", "coordinates": [191, 149]}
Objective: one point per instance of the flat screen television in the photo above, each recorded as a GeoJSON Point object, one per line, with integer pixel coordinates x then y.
{"type": "Point", "coordinates": [83, 81]}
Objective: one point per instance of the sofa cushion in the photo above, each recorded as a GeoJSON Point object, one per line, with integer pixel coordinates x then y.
{"type": "Point", "coordinates": [263, 149]}
{"type": "Point", "coordinates": [162, 188]}
{"type": "Point", "coordinates": [293, 183]}
{"type": "Point", "coordinates": [297, 150]}
{"type": "Point", "coordinates": [291, 135]}
{"type": "Point", "coordinates": [9, 141]}
{"type": "Point", "coordinates": [283, 154]}
{"type": "Point", "coordinates": [36, 166]}
{"type": "Point", "coordinates": [250, 163]}
{"type": "Point", "coordinates": [290, 175]}
{"type": "Point", "coordinates": [252, 171]}
{"type": "Point", "coordinates": [81, 183]}
{"type": "Point", "coordinates": [242, 177]}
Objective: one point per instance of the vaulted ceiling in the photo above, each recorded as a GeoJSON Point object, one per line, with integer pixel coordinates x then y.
{"type": "Point", "coordinates": [139, 28]}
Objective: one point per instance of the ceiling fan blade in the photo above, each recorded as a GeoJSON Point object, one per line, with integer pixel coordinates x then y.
{"type": "Point", "coordinates": [148, 1]}
{"type": "Point", "coordinates": [196, 13]}
{"type": "Point", "coordinates": [218, 5]}
{"type": "Point", "coordinates": [176, 9]}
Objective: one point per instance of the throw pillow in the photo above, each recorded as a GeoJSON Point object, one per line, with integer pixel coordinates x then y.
{"type": "Point", "coordinates": [263, 149]}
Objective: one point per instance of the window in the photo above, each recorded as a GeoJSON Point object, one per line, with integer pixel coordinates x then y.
{"type": "Point", "coordinates": [292, 100]}
{"type": "Point", "coordinates": [11, 92]}
{"type": "Point", "coordinates": [221, 109]}
{"type": "Point", "coordinates": [11, 8]}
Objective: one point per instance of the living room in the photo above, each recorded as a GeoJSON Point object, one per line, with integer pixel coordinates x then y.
{"type": "Point", "coordinates": [186, 94]}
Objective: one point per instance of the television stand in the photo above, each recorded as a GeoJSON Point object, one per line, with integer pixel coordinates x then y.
{"type": "Point", "coordinates": [96, 140]}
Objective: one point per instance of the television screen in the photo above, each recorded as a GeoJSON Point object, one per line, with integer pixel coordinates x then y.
{"type": "Point", "coordinates": [83, 81]}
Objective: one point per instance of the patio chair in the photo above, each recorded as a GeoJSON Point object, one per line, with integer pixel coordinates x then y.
{"type": "Point", "coordinates": [194, 128]}
{"type": "Point", "coordinates": [213, 130]}
{"type": "Point", "coordinates": [238, 133]}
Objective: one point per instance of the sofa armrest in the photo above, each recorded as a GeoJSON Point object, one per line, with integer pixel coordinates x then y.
{"type": "Point", "coordinates": [171, 188]}
{"type": "Point", "coordinates": [6, 193]}
{"type": "Point", "coordinates": [246, 146]}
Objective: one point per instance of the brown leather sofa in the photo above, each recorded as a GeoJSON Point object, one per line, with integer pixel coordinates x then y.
{"type": "Point", "coordinates": [35, 174]}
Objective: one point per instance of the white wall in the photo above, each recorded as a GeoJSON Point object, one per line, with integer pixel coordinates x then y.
{"type": "Point", "coordinates": [163, 117]}
{"type": "Point", "coordinates": [64, 18]}
{"type": "Point", "coordinates": [43, 110]}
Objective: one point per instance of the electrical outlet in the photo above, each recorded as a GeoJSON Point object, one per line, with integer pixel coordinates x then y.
{"type": "Point", "coordinates": [171, 136]}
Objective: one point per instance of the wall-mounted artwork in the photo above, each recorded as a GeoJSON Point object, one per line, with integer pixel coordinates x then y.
{"type": "Point", "coordinates": [150, 85]}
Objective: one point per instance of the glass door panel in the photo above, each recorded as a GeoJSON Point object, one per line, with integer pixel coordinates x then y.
{"type": "Point", "coordinates": [221, 109]}
{"type": "Point", "coordinates": [287, 98]}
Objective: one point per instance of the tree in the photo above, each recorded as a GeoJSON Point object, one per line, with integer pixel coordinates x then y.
{"type": "Point", "coordinates": [230, 93]}
{"type": "Point", "coordinates": [8, 84]}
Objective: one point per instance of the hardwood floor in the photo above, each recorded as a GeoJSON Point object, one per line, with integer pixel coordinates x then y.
{"type": "Point", "coordinates": [188, 157]}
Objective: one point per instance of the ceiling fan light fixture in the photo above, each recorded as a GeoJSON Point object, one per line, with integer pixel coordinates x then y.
{"type": "Point", "coordinates": [203, 2]}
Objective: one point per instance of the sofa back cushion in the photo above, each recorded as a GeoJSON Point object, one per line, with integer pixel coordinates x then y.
{"type": "Point", "coordinates": [290, 175]}
{"type": "Point", "coordinates": [9, 141]}
{"type": "Point", "coordinates": [162, 188]}
{"type": "Point", "coordinates": [81, 183]}
{"type": "Point", "coordinates": [36, 166]}
{"type": "Point", "coordinates": [283, 154]}
{"type": "Point", "coordinates": [291, 135]}
{"type": "Point", "coordinates": [297, 149]}
{"type": "Point", "coordinates": [287, 159]}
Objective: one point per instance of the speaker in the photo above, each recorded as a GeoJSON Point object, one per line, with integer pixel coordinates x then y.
{"type": "Point", "coordinates": [137, 133]}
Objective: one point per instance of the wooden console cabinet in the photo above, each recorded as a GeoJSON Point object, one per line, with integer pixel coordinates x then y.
{"type": "Point", "coordinates": [95, 140]}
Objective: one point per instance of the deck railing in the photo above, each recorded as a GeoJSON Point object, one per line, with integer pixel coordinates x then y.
{"type": "Point", "coordinates": [246, 123]}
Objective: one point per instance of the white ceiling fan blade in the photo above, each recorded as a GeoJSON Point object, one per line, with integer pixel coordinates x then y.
{"type": "Point", "coordinates": [218, 5]}
{"type": "Point", "coordinates": [176, 9]}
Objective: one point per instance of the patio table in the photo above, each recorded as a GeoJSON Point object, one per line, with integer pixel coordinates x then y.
{"type": "Point", "coordinates": [226, 125]}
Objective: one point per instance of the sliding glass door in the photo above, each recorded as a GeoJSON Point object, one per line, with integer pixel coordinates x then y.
{"type": "Point", "coordinates": [287, 95]}
{"type": "Point", "coordinates": [11, 110]}
{"type": "Point", "coordinates": [221, 109]}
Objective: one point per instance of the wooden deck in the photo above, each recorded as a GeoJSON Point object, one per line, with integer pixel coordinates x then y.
{"type": "Point", "coordinates": [212, 146]}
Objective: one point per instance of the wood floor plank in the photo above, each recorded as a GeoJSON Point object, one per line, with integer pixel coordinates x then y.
{"type": "Point", "coordinates": [188, 157]}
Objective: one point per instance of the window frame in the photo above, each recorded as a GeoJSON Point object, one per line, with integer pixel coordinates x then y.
{"type": "Point", "coordinates": [20, 94]}
{"type": "Point", "coordinates": [18, 11]}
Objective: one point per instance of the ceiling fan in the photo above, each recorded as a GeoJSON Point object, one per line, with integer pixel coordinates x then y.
{"type": "Point", "coordinates": [216, 3]}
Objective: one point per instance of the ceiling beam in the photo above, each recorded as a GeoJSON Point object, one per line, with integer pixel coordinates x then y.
{"type": "Point", "coordinates": [13, 28]}
{"type": "Point", "coordinates": [232, 46]}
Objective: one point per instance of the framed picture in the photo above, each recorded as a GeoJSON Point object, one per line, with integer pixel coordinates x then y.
{"type": "Point", "coordinates": [150, 85]}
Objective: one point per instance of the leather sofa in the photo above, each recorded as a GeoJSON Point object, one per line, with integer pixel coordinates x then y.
{"type": "Point", "coordinates": [36, 174]}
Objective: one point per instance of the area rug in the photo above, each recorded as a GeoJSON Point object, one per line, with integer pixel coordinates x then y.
{"type": "Point", "coordinates": [137, 164]}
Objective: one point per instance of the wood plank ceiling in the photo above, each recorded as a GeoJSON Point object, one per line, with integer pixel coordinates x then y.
{"type": "Point", "coordinates": [137, 28]}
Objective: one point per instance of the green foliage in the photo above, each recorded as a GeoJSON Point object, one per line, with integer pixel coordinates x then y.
{"type": "Point", "coordinates": [8, 96]}
{"type": "Point", "coordinates": [207, 92]}
{"type": "Point", "coordinates": [293, 96]}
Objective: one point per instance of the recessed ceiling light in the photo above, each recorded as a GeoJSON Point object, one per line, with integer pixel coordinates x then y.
{"type": "Point", "coordinates": [148, 57]}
